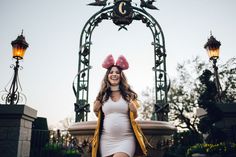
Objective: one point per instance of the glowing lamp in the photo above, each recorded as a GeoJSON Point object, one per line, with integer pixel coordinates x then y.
{"type": "Point", "coordinates": [19, 47]}
{"type": "Point", "coordinates": [213, 48]}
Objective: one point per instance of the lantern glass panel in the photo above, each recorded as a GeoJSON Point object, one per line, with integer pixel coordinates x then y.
{"type": "Point", "coordinates": [213, 53]}
{"type": "Point", "coordinates": [18, 52]}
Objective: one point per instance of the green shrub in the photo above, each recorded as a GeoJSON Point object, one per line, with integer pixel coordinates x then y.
{"type": "Point", "coordinates": [182, 141]}
{"type": "Point", "coordinates": [210, 149]}
{"type": "Point", "coordinates": [57, 150]}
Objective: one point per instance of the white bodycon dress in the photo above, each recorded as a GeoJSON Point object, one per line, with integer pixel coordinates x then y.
{"type": "Point", "coordinates": [116, 134]}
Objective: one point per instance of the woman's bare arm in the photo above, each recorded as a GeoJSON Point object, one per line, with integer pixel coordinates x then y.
{"type": "Point", "coordinates": [96, 107]}
{"type": "Point", "coordinates": [133, 109]}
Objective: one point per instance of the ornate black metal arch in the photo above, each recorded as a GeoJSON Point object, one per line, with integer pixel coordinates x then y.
{"type": "Point", "coordinates": [122, 13]}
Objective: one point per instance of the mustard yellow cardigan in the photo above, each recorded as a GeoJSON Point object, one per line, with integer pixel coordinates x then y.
{"type": "Point", "coordinates": [140, 144]}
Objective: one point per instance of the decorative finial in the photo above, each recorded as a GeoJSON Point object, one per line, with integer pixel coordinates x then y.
{"type": "Point", "coordinates": [148, 4]}
{"type": "Point", "coordinates": [99, 3]}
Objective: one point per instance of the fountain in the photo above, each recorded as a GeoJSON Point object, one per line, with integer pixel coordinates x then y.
{"type": "Point", "coordinates": [158, 133]}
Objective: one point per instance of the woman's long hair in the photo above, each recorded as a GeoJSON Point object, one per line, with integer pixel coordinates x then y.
{"type": "Point", "coordinates": [105, 90]}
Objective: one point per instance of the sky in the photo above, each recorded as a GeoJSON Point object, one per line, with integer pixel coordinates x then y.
{"type": "Point", "coordinates": [53, 28]}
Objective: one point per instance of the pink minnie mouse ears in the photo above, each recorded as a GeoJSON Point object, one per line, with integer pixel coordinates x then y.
{"type": "Point", "coordinates": [121, 62]}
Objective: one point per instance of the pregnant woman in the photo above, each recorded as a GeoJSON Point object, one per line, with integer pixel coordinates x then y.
{"type": "Point", "coordinates": [117, 134]}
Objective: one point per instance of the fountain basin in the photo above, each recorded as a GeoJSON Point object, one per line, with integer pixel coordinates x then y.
{"type": "Point", "coordinates": [158, 133]}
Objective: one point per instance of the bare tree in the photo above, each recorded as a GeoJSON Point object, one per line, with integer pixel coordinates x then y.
{"type": "Point", "coordinates": [147, 104]}
{"type": "Point", "coordinates": [185, 90]}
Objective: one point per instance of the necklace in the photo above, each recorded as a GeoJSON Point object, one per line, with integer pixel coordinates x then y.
{"type": "Point", "coordinates": [115, 88]}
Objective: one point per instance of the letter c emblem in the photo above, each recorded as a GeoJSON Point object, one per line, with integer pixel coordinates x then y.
{"type": "Point", "coordinates": [121, 8]}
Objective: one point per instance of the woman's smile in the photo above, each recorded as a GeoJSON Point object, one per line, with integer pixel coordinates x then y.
{"type": "Point", "coordinates": [114, 76]}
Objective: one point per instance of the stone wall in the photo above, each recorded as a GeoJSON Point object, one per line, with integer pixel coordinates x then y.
{"type": "Point", "coordinates": [15, 130]}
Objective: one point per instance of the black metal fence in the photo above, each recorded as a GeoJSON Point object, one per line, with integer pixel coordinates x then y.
{"type": "Point", "coordinates": [49, 143]}
{"type": "Point", "coordinates": [39, 140]}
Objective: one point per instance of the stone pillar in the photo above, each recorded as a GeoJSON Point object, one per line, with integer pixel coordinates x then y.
{"type": "Point", "coordinates": [15, 130]}
{"type": "Point", "coordinates": [228, 121]}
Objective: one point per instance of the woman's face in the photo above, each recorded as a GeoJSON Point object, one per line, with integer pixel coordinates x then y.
{"type": "Point", "coordinates": [114, 76]}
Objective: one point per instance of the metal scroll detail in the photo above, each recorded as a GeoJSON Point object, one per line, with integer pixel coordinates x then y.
{"type": "Point", "coordinates": [12, 95]}
{"type": "Point", "coordinates": [122, 13]}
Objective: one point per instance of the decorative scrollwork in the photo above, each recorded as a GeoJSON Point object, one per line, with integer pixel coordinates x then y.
{"type": "Point", "coordinates": [12, 95]}
{"type": "Point", "coordinates": [122, 13]}
{"type": "Point", "coordinates": [18, 98]}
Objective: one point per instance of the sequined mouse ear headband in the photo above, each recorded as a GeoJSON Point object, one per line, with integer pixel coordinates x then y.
{"type": "Point", "coordinates": [121, 62]}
